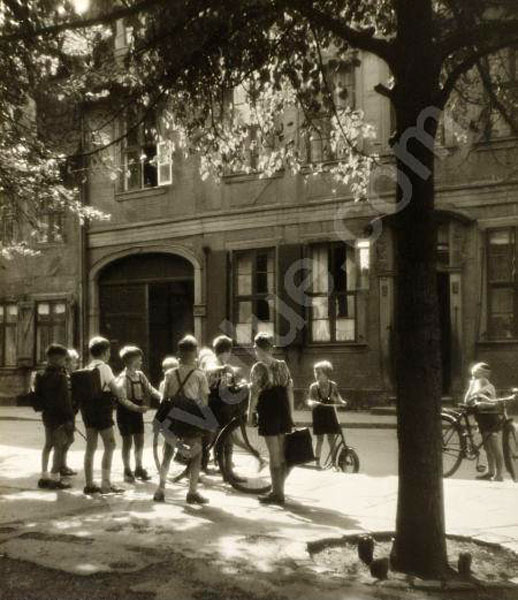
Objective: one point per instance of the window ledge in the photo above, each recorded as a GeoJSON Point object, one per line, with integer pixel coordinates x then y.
{"type": "Point", "coordinates": [337, 345]}
{"type": "Point", "coordinates": [141, 194]}
{"type": "Point", "coordinates": [502, 342]}
{"type": "Point", "coordinates": [256, 176]}
{"type": "Point", "coordinates": [45, 245]}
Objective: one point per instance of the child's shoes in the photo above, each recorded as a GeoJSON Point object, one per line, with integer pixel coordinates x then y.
{"type": "Point", "coordinates": [142, 474]}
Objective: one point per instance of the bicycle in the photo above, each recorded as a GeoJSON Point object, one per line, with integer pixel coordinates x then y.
{"type": "Point", "coordinates": [239, 452]}
{"type": "Point", "coordinates": [458, 438]}
{"type": "Point", "coordinates": [343, 457]}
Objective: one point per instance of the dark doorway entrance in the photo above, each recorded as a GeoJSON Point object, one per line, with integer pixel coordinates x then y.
{"type": "Point", "coordinates": [443, 293]}
{"type": "Point", "coordinates": [147, 299]}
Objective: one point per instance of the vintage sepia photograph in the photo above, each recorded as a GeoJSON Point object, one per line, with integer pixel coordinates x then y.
{"type": "Point", "coordinates": [259, 300]}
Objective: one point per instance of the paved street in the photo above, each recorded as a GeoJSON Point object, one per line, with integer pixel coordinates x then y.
{"type": "Point", "coordinates": [377, 447]}
{"type": "Point", "coordinates": [232, 548]}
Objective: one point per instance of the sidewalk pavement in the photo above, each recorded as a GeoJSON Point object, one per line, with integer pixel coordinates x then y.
{"type": "Point", "coordinates": [353, 419]}
{"type": "Point", "coordinates": [259, 550]}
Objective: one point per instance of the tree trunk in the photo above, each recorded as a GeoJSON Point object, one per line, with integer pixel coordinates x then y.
{"type": "Point", "coordinates": [420, 545]}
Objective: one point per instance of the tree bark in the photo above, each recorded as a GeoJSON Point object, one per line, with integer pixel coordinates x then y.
{"type": "Point", "coordinates": [420, 545]}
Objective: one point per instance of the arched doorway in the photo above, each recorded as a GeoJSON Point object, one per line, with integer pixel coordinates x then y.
{"type": "Point", "coordinates": [146, 299]}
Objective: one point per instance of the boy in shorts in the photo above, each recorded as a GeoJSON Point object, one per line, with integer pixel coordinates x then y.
{"type": "Point", "coordinates": [137, 390]}
{"type": "Point", "coordinates": [51, 386]}
{"type": "Point", "coordinates": [98, 418]}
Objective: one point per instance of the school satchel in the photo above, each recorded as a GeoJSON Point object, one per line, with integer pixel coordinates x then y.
{"type": "Point", "coordinates": [33, 398]}
{"type": "Point", "coordinates": [178, 401]}
{"type": "Point", "coordinates": [87, 392]}
{"type": "Point", "coordinates": [298, 447]}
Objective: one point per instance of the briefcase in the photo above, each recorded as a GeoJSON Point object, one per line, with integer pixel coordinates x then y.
{"type": "Point", "coordinates": [298, 447]}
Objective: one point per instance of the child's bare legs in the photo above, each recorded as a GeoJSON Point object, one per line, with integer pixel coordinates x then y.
{"type": "Point", "coordinates": [45, 453]}
{"type": "Point", "coordinates": [495, 457]}
{"type": "Point", "coordinates": [139, 449]}
{"type": "Point", "coordinates": [108, 439]}
{"type": "Point", "coordinates": [331, 440]}
{"type": "Point", "coordinates": [164, 470]}
{"type": "Point", "coordinates": [318, 449]}
{"type": "Point", "coordinates": [196, 446]}
{"type": "Point", "coordinates": [91, 447]}
{"type": "Point", "coordinates": [275, 445]}
{"type": "Point", "coordinates": [127, 443]}
{"type": "Point", "coordinates": [60, 440]}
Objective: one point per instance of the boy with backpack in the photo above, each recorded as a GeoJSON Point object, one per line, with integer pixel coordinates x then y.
{"type": "Point", "coordinates": [53, 396]}
{"type": "Point", "coordinates": [95, 389]}
{"type": "Point", "coordinates": [139, 391]}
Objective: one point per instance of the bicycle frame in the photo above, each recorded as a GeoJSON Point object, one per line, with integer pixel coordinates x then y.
{"type": "Point", "coordinates": [472, 450]}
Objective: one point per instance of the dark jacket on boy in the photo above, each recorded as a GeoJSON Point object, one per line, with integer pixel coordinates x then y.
{"type": "Point", "coordinates": [53, 389]}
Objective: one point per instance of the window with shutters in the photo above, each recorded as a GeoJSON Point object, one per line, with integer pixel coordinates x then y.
{"type": "Point", "coordinates": [51, 326]}
{"type": "Point", "coordinates": [146, 158]}
{"type": "Point", "coordinates": [502, 283]}
{"type": "Point", "coordinates": [254, 293]}
{"type": "Point", "coordinates": [8, 325]}
{"type": "Point", "coordinates": [338, 272]}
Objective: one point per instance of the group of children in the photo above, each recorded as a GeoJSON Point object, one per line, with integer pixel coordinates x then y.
{"type": "Point", "coordinates": [201, 379]}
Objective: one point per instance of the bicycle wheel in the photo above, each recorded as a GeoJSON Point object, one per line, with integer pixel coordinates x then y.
{"type": "Point", "coordinates": [243, 458]}
{"type": "Point", "coordinates": [452, 445]}
{"type": "Point", "coordinates": [347, 460]}
{"type": "Point", "coordinates": [510, 448]}
{"type": "Point", "coordinates": [179, 465]}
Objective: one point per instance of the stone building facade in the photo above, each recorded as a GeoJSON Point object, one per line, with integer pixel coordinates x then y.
{"type": "Point", "coordinates": [184, 255]}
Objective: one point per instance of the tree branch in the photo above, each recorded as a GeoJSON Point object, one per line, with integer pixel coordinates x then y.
{"type": "Point", "coordinates": [467, 64]}
{"type": "Point", "coordinates": [118, 13]}
{"type": "Point", "coordinates": [361, 39]}
{"type": "Point", "coordinates": [485, 35]}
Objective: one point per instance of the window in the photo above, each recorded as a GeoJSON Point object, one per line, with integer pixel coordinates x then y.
{"type": "Point", "coordinates": [146, 158]}
{"type": "Point", "coordinates": [8, 229]}
{"type": "Point", "coordinates": [8, 321]}
{"type": "Point", "coordinates": [254, 285]}
{"type": "Point", "coordinates": [51, 326]}
{"type": "Point", "coordinates": [340, 79]}
{"type": "Point", "coordinates": [240, 103]}
{"type": "Point", "coordinates": [51, 226]}
{"type": "Point", "coordinates": [338, 272]}
{"type": "Point", "coordinates": [502, 283]}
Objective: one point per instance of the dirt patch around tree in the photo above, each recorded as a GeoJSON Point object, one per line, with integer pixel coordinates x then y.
{"type": "Point", "coordinates": [491, 566]}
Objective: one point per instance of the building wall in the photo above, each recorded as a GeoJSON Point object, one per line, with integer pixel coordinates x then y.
{"type": "Point", "coordinates": [52, 275]}
{"type": "Point", "coordinates": [205, 222]}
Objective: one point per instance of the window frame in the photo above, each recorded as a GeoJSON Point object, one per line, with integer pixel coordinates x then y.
{"type": "Point", "coordinates": [52, 232]}
{"type": "Point", "coordinates": [511, 284]}
{"type": "Point", "coordinates": [333, 295]}
{"type": "Point", "coordinates": [4, 326]}
{"type": "Point", "coordinates": [162, 148]}
{"type": "Point", "coordinates": [39, 347]}
{"type": "Point", "coordinates": [254, 296]}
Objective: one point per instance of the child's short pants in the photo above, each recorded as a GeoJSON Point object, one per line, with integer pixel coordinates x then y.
{"type": "Point", "coordinates": [98, 419]}
{"type": "Point", "coordinates": [129, 422]}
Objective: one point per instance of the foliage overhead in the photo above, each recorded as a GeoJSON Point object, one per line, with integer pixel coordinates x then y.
{"type": "Point", "coordinates": [192, 60]}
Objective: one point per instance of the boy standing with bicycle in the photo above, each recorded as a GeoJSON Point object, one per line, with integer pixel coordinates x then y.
{"type": "Point", "coordinates": [481, 394]}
